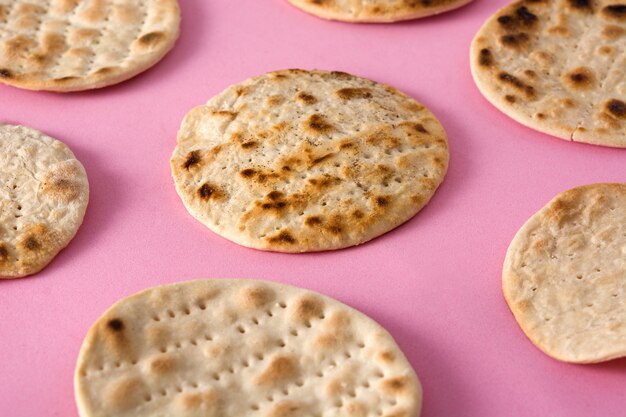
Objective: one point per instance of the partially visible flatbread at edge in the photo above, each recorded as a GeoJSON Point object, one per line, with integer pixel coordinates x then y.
{"type": "Point", "coordinates": [235, 348]}
{"type": "Point", "coordinates": [43, 198]}
{"type": "Point", "coordinates": [564, 276]}
{"type": "Point", "coordinates": [557, 66]}
{"type": "Point", "coordinates": [71, 45]}
{"type": "Point", "coordinates": [376, 11]}
{"type": "Point", "coordinates": [297, 161]}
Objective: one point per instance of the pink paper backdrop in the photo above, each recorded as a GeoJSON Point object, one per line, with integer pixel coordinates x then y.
{"type": "Point", "coordinates": [434, 283]}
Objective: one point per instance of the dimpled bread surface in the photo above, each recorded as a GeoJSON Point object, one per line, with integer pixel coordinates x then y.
{"type": "Point", "coordinates": [564, 276]}
{"type": "Point", "coordinates": [217, 348]}
{"type": "Point", "coordinates": [43, 198]}
{"type": "Point", "coordinates": [557, 66]}
{"type": "Point", "coordinates": [376, 11]}
{"type": "Point", "coordinates": [70, 45]}
{"type": "Point", "coordinates": [296, 161]}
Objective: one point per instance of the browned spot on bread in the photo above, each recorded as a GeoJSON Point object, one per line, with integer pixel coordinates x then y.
{"type": "Point", "coordinates": [515, 40]}
{"type": "Point", "coordinates": [162, 364]}
{"type": "Point", "coordinates": [207, 402]}
{"type": "Point", "coordinates": [540, 116]}
{"type": "Point", "coordinates": [250, 144]}
{"type": "Point", "coordinates": [323, 182]}
{"type": "Point", "coordinates": [357, 214]}
{"type": "Point", "coordinates": [335, 225]}
{"type": "Point", "coordinates": [281, 369]}
{"type": "Point", "coordinates": [530, 73]}
{"type": "Point", "coordinates": [242, 91]}
{"type": "Point", "coordinates": [615, 11]}
{"type": "Point", "coordinates": [5, 73]}
{"type": "Point", "coordinates": [282, 238]}
{"type": "Point", "coordinates": [521, 18]}
{"type": "Point", "coordinates": [307, 308]}
{"type": "Point", "coordinates": [104, 70]}
{"type": "Point", "coordinates": [306, 98]}
{"type": "Point", "coordinates": [151, 39]}
{"type": "Point", "coordinates": [317, 124]}
{"type": "Point", "coordinates": [65, 79]}
{"type": "Point", "coordinates": [510, 98]}
{"type": "Point", "coordinates": [275, 195]}
{"type": "Point", "coordinates": [193, 159]}
{"type": "Point", "coordinates": [485, 58]}
{"type": "Point", "coordinates": [612, 32]}
{"type": "Point", "coordinates": [115, 325]}
{"type": "Point", "coordinates": [123, 394]}
{"type": "Point", "coordinates": [395, 386]}
{"type": "Point", "coordinates": [347, 144]}
{"type": "Point", "coordinates": [320, 159]}
{"type": "Point", "coordinates": [287, 408]}
{"type": "Point", "coordinates": [224, 113]}
{"type": "Point", "coordinates": [4, 253]}
{"type": "Point", "coordinates": [31, 243]}
{"type": "Point", "coordinates": [256, 297]}
{"type": "Point", "coordinates": [340, 75]}
{"type": "Point", "coordinates": [248, 172]}
{"type": "Point", "coordinates": [61, 184]}
{"type": "Point", "coordinates": [312, 221]}
{"type": "Point", "coordinates": [616, 108]}
{"type": "Point", "coordinates": [386, 356]}
{"type": "Point", "coordinates": [581, 5]}
{"type": "Point", "coordinates": [354, 93]}
{"type": "Point", "coordinates": [581, 78]}
{"type": "Point", "coordinates": [382, 201]}
{"type": "Point", "coordinates": [210, 191]}
{"type": "Point", "coordinates": [515, 82]}
{"type": "Point", "coordinates": [336, 332]}
{"type": "Point", "coordinates": [275, 100]}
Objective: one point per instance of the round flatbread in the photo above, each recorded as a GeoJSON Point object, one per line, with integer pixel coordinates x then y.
{"type": "Point", "coordinates": [43, 197]}
{"type": "Point", "coordinates": [218, 348]}
{"type": "Point", "coordinates": [296, 161]}
{"type": "Point", "coordinates": [376, 11]}
{"type": "Point", "coordinates": [557, 66]}
{"type": "Point", "coordinates": [564, 276]}
{"type": "Point", "coordinates": [71, 45]}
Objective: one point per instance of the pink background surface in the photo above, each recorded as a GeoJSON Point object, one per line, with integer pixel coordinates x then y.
{"type": "Point", "coordinates": [434, 283]}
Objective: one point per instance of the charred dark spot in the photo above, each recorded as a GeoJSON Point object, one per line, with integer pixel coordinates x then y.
{"type": "Point", "coordinates": [616, 107]}
{"type": "Point", "coordinates": [321, 159]}
{"type": "Point", "coordinates": [116, 325]}
{"type": "Point", "coordinates": [584, 5]}
{"type": "Point", "coordinates": [525, 16]}
{"type": "Point", "coordinates": [283, 237]}
{"type": "Point", "coordinates": [617, 11]}
{"type": "Point", "coordinates": [5, 73]}
{"type": "Point", "coordinates": [267, 206]}
{"type": "Point", "coordinates": [313, 221]}
{"type": "Point", "coordinates": [193, 158]}
{"type": "Point", "coordinates": [517, 83]}
{"type": "Point", "coordinates": [541, 116]}
{"type": "Point", "coordinates": [486, 58]}
{"type": "Point", "coordinates": [506, 20]}
{"type": "Point", "coordinates": [347, 145]}
{"type": "Point", "coordinates": [382, 201]}
{"type": "Point", "coordinates": [514, 40]}
{"type": "Point", "coordinates": [248, 145]}
{"type": "Point", "coordinates": [4, 253]}
{"type": "Point", "coordinates": [420, 128]}
{"type": "Point", "coordinates": [286, 168]}
{"type": "Point", "coordinates": [580, 78]}
{"type": "Point", "coordinates": [510, 98]}
{"type": "Point", "coordinates": [151, 38]}
{"type": "Point", "coordinates": [354, 93]}
{"type": "Point", "coordinates": [31, 243]}
{"type": "Point", "coordinates": [248, 172]}
{"type": "Point", "coordinates": [209, 191]}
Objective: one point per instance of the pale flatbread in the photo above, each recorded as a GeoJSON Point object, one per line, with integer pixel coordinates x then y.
{"type": "Point", "coordinates": [296, 161]}
{"type": "Point", "coordinates": [564, 275]}
{"type": "Point", "coordinates": [70, 45]}
{"type": "Point", "coordinates": [376, 11]}
{"type": "Point", "coordinates": [557, 66]}
{"type": "Point", "coordinates": [233, 348]}
{"type": "Point", "coordinates": [43, 197]}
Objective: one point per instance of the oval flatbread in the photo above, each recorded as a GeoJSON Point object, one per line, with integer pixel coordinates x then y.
{"type": "Point", "coordinates": [376, 11]}
{"type": "Point", "coordinates": [43, 197]}
{"type": "Point", "coordinates": [564, 275]}
{"type": "Point", "coordinates": [219, 348]}
{"type": "Point", "coordinates": [71, 45]}
{"type": "Point", "coordinates": [557, 66]}
{"type": "Point", "coordinates": [296, 161]}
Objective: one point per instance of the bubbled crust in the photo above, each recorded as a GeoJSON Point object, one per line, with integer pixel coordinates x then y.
{"type": "Point", "coordinates": [241, 348]}
{"type": "Point", "coordinates": [376, 11]}
{"type": "Point", "coordinates": [564, 276]}
{"type": "Point", "coordinates": [71, 45]}
{"type": "Point", "coordinates": [296, 161]}
{"type": "Point", "coordinates": [557, 66]}
{"type": "Point", "coordinates": [43, 198]}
